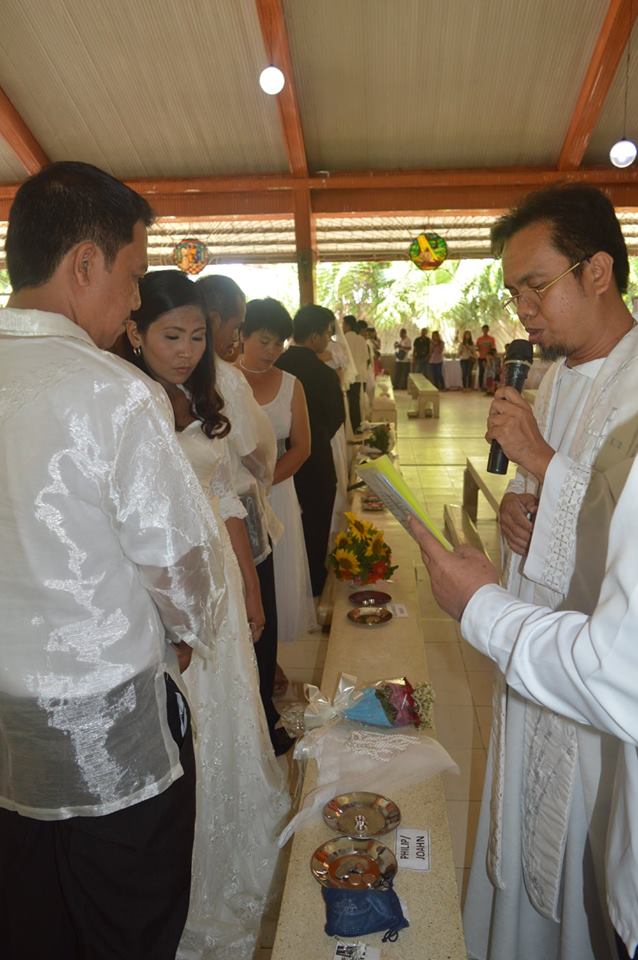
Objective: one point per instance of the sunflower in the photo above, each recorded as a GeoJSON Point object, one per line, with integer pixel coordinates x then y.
{"type": "Point", "coordinates": [346, 562]}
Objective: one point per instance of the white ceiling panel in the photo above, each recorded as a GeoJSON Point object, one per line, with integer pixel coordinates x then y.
{"type": "Point", "coordinates": [144, 88]}
{"type": "Point", "coordinates": [468, 83]}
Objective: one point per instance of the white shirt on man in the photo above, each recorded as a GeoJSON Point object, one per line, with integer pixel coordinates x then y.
{"type": "Point", "coordinates": [359, 350]}
{"type": "Point", "coordinates": [110, 551]}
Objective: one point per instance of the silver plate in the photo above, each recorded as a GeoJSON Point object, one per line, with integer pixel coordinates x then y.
{"type": "Point", "coordinates": [369, 616]}
{"type": "Point", "coordinates": [352, 863]}
{"type": "Point", "coordinates": [362, 814]}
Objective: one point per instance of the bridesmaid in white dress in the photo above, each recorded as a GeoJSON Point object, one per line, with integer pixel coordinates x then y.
{"type": "Point", "coordinates": [241, 795]}
{"type": "Point", "coordinates": [266, 326]}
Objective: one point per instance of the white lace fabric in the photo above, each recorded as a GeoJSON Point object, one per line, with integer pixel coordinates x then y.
{"type": "Point", "coordinates": [242, 798]}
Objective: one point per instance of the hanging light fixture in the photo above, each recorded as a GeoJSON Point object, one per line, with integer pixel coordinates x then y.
{"type": "Point", "coordinates": [623, 152]}
{"type": "Point", "coordinates": [272, 80]}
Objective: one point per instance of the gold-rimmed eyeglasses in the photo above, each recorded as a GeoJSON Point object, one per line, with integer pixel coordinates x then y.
{"type": "Point", "coordinates": [531, 298]}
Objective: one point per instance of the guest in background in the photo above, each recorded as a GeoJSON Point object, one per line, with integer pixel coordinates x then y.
{"type": "Point", "coordinates": [337, 356]}
{"type": "Point", "coordinates": [467, 356]}
{"type": "Point", "coordinates": [253, 453]}
{"type": "Point", "coordinates": [316, 479]}
{"type": "Point", "coordinates": [359, 351]}
{"type": "Point", "coordinates": [484, 344]}
{"type": "Point", "coordinates": [282, 399]}
{"type": "Point", "coordinates": [435, 360]}
{"type": "Point", "coordinates": [402, 348]}
{"type": "Point", "coordinates": [492, 373]}
{"type": "Point", "coordinates": [420, 352]}
{"type": "Point", "coordinates": [368, 387]}
{"type": "Point", "coordinates": [241, 795]}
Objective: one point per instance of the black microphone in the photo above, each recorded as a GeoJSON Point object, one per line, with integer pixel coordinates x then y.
{"type": "Point", "coordinates": [518, 360]}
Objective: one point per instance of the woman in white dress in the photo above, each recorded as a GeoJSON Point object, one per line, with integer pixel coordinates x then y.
{"type": "Point", "coordinates": [281, 396]}
{"type": "Point", "coordinates": [241, 795]}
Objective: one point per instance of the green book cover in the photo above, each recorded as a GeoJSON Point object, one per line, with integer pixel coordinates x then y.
{"type": "Point", "coordinates": [390, 487]}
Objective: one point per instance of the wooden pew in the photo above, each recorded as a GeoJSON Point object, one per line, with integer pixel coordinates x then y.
{"type": "Point", "coordinates": [460, 528]}
{"type": "Point", "coordinates": [491, 485]}
{"type": "Point", "coordinates": [425, 394]}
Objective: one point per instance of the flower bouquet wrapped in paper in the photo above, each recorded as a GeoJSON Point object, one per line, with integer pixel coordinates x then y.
{"type": "Point", "coordinates": [360, 553]}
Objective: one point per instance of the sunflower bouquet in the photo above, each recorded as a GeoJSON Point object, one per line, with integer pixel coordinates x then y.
{"type": "Point", "coordinates": [360, 553]}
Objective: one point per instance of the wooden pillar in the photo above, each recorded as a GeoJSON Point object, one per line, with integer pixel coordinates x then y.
{"type": "Point", "coordinates": [305, 245]}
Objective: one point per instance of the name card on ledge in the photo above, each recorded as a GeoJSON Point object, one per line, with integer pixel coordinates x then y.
{"type": "Point", "coordinates": [413, 849]}
{"type": "Point", "coordinates": [356, 951]}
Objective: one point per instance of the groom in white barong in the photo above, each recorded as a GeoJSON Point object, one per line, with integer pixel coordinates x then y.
{"type": "Point", "coordinates": [538, 885]}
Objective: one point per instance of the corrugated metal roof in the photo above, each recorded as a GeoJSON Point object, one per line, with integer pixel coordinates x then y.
{"type": "Point", "coordinates": [610, 124]}
{"type": "Point", "coordinates": [10, 167]}
{"type": "Point", "coordinates": [157, 88]}
{"type": "Point", "coordinates": [461, 84]}
{"type": "Point", "coordinates": [150, 88]}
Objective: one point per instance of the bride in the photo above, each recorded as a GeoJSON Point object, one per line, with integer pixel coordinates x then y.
{"type": "Point", "coordinates": [241, 795]}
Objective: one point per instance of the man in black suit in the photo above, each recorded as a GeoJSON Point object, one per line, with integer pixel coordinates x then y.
{"type": "Point", "coordinates": [316, 480]}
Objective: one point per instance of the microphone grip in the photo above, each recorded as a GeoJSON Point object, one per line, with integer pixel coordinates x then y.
{"type": "Point", "coordinates": [515, 376]}
{"type": "Point", "coordinates": [497, 462]}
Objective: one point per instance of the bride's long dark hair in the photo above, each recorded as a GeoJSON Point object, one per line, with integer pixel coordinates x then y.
{"type": "Point", "coordinates": [161, 291]}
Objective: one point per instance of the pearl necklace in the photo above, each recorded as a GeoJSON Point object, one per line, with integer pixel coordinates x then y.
{"type": "Point", "coordinates": [249, 370]}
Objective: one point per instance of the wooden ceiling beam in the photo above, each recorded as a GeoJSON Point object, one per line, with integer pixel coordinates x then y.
{"type": "Point", "coordinates": [530, 177]}
{"type": "Point", "coordinates": [275, 36]}
{"type": "Point", "coordinates": [612, 40]}
{"type": "Point", "coordinates": [19, 138]}
{"type": "Point", "coordinates": [352, 193]}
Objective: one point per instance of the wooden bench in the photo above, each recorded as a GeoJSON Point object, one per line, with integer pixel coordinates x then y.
{"type": "Point", "coordinates": [491, 485]}
{"type": "Point", "coordinates": [460, 528]}
{"type": "Point", "coordinates": [425, 394]}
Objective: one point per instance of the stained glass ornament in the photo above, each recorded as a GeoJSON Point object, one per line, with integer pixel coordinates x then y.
{"type": "Point", "coordinates": [191, 256]}
{"type": "Point", "coordinates": [428, 251]}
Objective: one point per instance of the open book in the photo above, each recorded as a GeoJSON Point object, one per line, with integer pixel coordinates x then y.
{"type": "Point", "coordinates": [387, 483]}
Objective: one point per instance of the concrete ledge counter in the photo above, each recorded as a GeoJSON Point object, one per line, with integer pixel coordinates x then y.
{"type": "Point", "coordinates": [395, 649]}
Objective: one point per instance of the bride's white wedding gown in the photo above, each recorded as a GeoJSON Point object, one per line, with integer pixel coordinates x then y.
{"type": "Point", "coordinates": [241, 794]}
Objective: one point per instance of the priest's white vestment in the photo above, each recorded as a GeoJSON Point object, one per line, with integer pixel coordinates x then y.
{"type": "Point", "coordinates": [537, 885]}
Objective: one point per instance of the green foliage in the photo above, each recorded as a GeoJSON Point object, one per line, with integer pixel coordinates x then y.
{"type": "Point", "coordinates": [358, 288]}
{"type": "Point", "coordinates": [5, 286]}
{"type": "Point", "coordinates": [377, 292]}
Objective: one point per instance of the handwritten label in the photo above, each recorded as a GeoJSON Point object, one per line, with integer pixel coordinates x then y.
{"type": "Point", "coordinates": [356, 951]}
{"type": "Point", "coordinates": [413, 849]}
{"type": "Point", "coordinates": [398, 609]}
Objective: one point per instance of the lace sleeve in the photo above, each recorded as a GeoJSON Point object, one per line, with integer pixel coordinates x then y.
{"type": "Point", "coordinates": [165, 528]}
{"type": "Point", "coordinates": [222, 487]}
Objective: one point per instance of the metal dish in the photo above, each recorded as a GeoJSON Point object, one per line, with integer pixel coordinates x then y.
{"type": "Point", "coordinates": [370, 616]}
{"type": "Point", "coordinates": [352, 863]}
{"type": "Point", "coordinates": [362, 814]}
{"type": "Point", "coordinates": [369, 598]}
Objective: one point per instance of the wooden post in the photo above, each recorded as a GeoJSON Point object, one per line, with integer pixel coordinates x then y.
{"type": "Point", "coordinates": [305, 246]}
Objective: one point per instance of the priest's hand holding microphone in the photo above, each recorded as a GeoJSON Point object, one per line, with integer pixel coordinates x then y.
{"type": "Point", "coordinates": [514, 435]}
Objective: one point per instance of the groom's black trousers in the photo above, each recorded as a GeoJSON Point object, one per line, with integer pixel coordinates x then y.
{"type": "Point", "coordinates": [101, 888]}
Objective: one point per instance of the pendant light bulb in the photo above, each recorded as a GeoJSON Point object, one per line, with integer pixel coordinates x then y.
{"type": "Point", "coordinates": [272, 80]}
{"type": "Point", "coordinates": [623, 153]}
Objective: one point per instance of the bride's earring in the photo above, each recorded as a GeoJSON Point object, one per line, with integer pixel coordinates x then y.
{"type": "Point", "coordinates": [137, 351]}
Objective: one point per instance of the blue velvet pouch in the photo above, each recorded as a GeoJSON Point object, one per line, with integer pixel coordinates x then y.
{"type": "Point", "coordinates": [353, 913]}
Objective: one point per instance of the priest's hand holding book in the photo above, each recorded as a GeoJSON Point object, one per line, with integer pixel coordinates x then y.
{"type": "Point", "coordinates": [455, 575]}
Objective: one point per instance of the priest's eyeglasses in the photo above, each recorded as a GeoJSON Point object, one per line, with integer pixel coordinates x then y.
{"type": "Point", "coordinates": [530, 299]}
